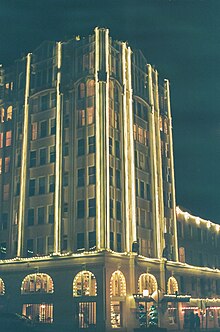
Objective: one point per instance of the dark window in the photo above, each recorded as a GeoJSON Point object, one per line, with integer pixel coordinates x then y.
{"type": "Point", "coordinates": [81, 177]}
{"type": "Point", "coordinates": [92, 175]}
{"type": "Point", "coordinates": [52, 126]}
{"type": "Point", "coordinates": [111, 176]}
{"type": "Point", "coordinates": [92, 240]}
{"type": "Point", "coordinates": [43, 156]}
{"type": "Point", "coordinates": [51, 214]}
{"type": "Point", "coordinates": [118, 179]}
{"type": "Point", "coordinates": [142, 189]}
{"type": "Point", "coordinates": [43, 129]}
{"type": "Point", "coordinates": [66, 121]}
{"type": "Point", "coordinates": [40, 245]}
{"type": "Point", "coordinates": [117, 149]}
{"type": "Point", "coordinates": [66, 149]}
{"type": "Point", "coordinates": [65, 179]}
{"type": "Point", "coordinates": [33, 158]}
{"type": "Point", "coordinates": [51, 183]}
{"type": "Point", "coordinates": [148, 192]}
{"type": "Point", "coordinates": [41, 215]}
{"type": "Point", "coordinates": [4, 221]}
{"type": "Point", "coordinates": [92, 207]}
{"type": "Point", "coordinates": [42, 185]}
{"type": "Point", "coordinates": [119, 242]}
{"type": "Point", "coordinates": [111, 208]}
{"type": "Point", "coordinates": [65, 207]}
{"type": "Point", "coordinates": [110, 145]}
{"type": "Point", "coordinates": [32, 187]}
{"type": "Point", "coordinates": [111, 240]}
{"type": "Point", "coordinates": [64, 243]}
{"type": "Point", "coordinates": [80, 209]}
{"type": "Point", "coordinates": [3, 250]}
{"type": "Point", "coordinates": [52, 154]}
{"type": "Point", "coordinates": [44, 102]}
{"type": "Point", "coordinates": [30, 248]}
{"type": "Point", "coordinates": [30, 220]}
{"type": "Point", "coordinates": [118, 210]}
{"type": "Point", "coordinates": [80, 241]}
{"type": "Point", "coordinates": [91, 144]}
{"type": "Point", "coordinates": [81, 147]}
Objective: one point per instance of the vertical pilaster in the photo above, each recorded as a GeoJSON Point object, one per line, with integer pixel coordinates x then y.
{"type": "Point", "coordinates": [129, 173]}
{"type": "Point", "coordinates": [173, 192]}
{"type": "Point", "coordinates": [21, 213]}
{"type": "Point", "coordinates": [154, 171]}
{"type": "Point", "coordinates": [58, 163]}
{"type": "Point", "coordinates": [102, 138]}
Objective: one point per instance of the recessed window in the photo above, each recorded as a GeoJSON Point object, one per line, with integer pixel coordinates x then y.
{"type": "Point", "coordinates": [41, 215]}
{"type": "Point", "coordinates": [51, 183]}
{"type": "Point", "coordinates": [92, 144]}
{"type": "Point", "coordinates": [81, 147]}
{"type": "Point", "coordinates": [117, 149]}
{"type": "Point", "coordinates": [32, 187]}
{"type": "Point", "coordinates": [81, 118]}
{"type": "Point", "coordinates": [92, 207]}
{"type": "Point", "coordinates": [33, 158]}
{"type": "Point", "coordinates": [8, 138]}
{"type": "Point", "coordinates": [1, 140]}
{"type": "Point", "coordinates": [43, 156]}
{"type": "Point", "coordinates": [30, 220]}
{"type": "Point", "coordinates": [90, 115]}
{"type": "Point", "coordinates": [118, 179]}
{"type": "Point", "coordinates": [43, 129]}
{"type": "Point", "coordinates": [7, 164]}
{"type": "Point", "coordinates": [92, 174]}
{"type": "Point", "coordinates": [111, 176]}
{"type": "Point", "coordinates": [34, 131]}
{"type": "Point", "coordinates": [80, 209]}
{"type": "Point", "coordinates": [81, 177]}
{"type": "Point", "coordinates": [118, 210]}
{"type": "Point", "coordinates": [42, 185]}
{"type": "Point", "coordinates": [50, 214]}
{"type": "Point", "coordinates": [92, 240]}
{"type": "Point", "coordinates": [52, 126]}
{"type": "Point", "coordinates": [52, 154]}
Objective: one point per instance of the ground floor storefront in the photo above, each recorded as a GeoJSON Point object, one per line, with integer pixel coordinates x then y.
{"type": "Point", "coordinates": [106, 291]}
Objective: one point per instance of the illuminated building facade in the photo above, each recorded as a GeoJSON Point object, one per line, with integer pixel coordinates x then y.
{"type": "Point", "coordinates": [87, 191]}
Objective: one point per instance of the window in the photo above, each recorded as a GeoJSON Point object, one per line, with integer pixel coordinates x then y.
{"type": "Point", "coordinates": [81, 147]}
{"type": "Point", "coordinates": [80, 241]}
{"type": "Point", "coordinates": [92, 207]}
{"type": "Point", "coordinates": [17, 190]}
{"type": "Point", "coordinates": [87, 314]}
{"type": "Point", "coordinates": [147, 281]}
{"type": "Point", "coordinates": [40, 246]}
{"type": "Point", "coordinates": [50, 241]}
{"type": "Point", "coordinates": [111, 208]}
{"type": "Point", "coordinates": [92, 174]}
{"type": "Point", "coordinates": [1, 140]}
{"type": "Point", "coordinates": [37, 282]}
{"type": "Point", "coordinates": [119, 248]}
{"type": "Point", "coordinates": [34, 131]}
{"type": "Point", "coordinates": [7, 164]}
{"type": "Point", "coordinates": [4, 224]}
{"type": "Point", "coordinates": [53, 99]}
{"type": "Point", "coordinates": [81, 177]}
{"type": "Point", "coordinates": [81, 118]}
{"type": "Point", "coordinates": [111, 240]}
{"type": "Point", "coordinates": [52, 126]}
{"type": "Point", "coordinates": [92, 240]}
{"type": "Point", "coordinates": [91, 144]}
{"type": "Point", "coordinates": [8, 138]}
{"type": "Point", "coordinates": [42, 185]}
{"type": "Point", "coordinates": [0, 165]}
{"type": "Point", "coordinates": [30, 248]}
{"type": "Point", "coordinates": [50, 214]}
{"type": "Point", "coordinates": [81, 90]}
{"type": "Point", "coordinates": [90, 115]}
{"type": "Point", "coordinates": [182, 255]}
{"type": "Point", "coordinates": [65, 207]}
{"type": "Point", "coordinates": [66, 121]}
{"type": "Point", "coordinates": [18, 158]}
{"type": "Point", "coordinates": [66, 149]}
{"type": "Point", "coordinates": [33, 158]}
{"type": "Point", "coordinates": [2, 115]}
{"type": "Point", "coordinates": [90, 88]}
{"type": "Point", "coordinates": [80, 209]}
{"type": "Point", "coordinates": [41, 215]}
{"type": "Point", "coordinates": [118, 179]}
{"type": "Point", "coordinates": [44, 102]}
{"type": "Point", "coordinates": [43, 129]}
{"type": "Point", "coordinates": [51, 183]}
{"type": "Point", "coordinates": [111, 176]}
{"type": "Point", "coordinates": [30, 220]}
{"type": "Point", "coordinates": [9, 113]}
{"type": "Point", "coordinates": [142, 189]}
{"type": "Point", "coordinates": [65, 179]}
{"type": "Point", "coordinates": [117, 149]}
{"type": "Point", "coordinates": [110, 145]}
{"type": "Point", "coordinates": [52, 154]}
{"type": "Point", "coordinates": [43, 156]}
{"type": "Point", "coordinates": [84, 284]}
{"type": "Point", "coordinates": [118, 210]}
{"type": "Point", "coordinates": [117, 284]}
{"type": "Point", "coordinates": [31, 187]}
{"type": "Point", "coordinates": [3, 252]}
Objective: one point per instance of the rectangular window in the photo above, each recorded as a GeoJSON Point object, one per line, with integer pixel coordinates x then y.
{"type": "Point", "coordinates": [65, 179]}
{"type": "Point", "coordinates": [31, 187]}
{"type": "Point", "coordinates": [30, 220]}
{"type": "Point", "coordinates": [52, 154]}
{"type": "Point", "coordinates": [118, 210]}
{"type": "Point", "coordinates": [43, 156]}
{"type": "Point", "coordinates": [111, 208]}
{"type": "Point", "coordinates": [8, 138]}
{"type": "Point", "coordinates": [111, 240]}
{"type": "Point", "coordinates": [92, 174]}
{"type": "Point", "coordinates": [111, 176]}
{"type": "Point", "coordinates": [119, 242]}
{"type": "Point", "coordinates": [18, 159]}
{"type": "Point", "coordinates": [4, 224]}
{"type": "Point", "coordinates": [81, 177]}
{"type": "Point", "coordinates": [92, 144]}
{"type": "Point", "coordinates": [42, 185]}
{"type": "Point", "coordinates": [87, 314]}
{"type": "Point", "coordinates": [7, 164]}
{"type": "Point", "coordinates": [33, 158]}
{"type": "Point", "coordinates": [81, 118]}
{"type": "Point", "coordinates": [81, 147]}
{"type": "Point", "coordinates": [43, 129]}
{"type": "Point", "coordinates": [52, 126]}
{"type": "Point", "coordinates": [41, 215]}
{"type": "Point", "coordinates": [3, 250]}
{"type": "Point", "coordinates": [51, 183]}
{"type": "Point", "coordinates": [142, 189]}
{"type": "Point", "coordinates": [92, 207]}
{"type": "Point", "coordinates": [80, 209]}
{"type": "Point", "coordinates": [40, 245]}
{"type": "Point", "coordinates": [30, 248]}
{"type": "Point", "coordinates": [116, 314]}
{"type": "Point", "coordinates": [80, 241]}
{"type": "Point", "coordinates": [66, 149]}
{"type": "Point", "coordinates": [66, 121]}
{"type": "Point", "coordinates": [110, 146]}
{"type": "Point", "coordinates": [50, 241]}
{"type": "Point", "coordinates": [50, 214]}
{"type": "Point", "coordinates": [118, 179]}
{"type": "Point", "coordinates": [45, 102]}
{"type": "Point", "coordinates": [92, 240]}
{"type": "Point", "coordinates": [53, 99]}
{"type": "Point", "coordinates": [34, 131]}
{"type": "Point", "coordinates": [1, 140]}
{"type": "Point", "coordinates": [117, 149]}
{"type": "Point", "coordinates": [0, 165]}
{"type": "Point", "coordinates": [90, 115]}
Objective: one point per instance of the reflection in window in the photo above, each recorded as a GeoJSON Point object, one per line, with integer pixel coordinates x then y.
{"type": "Point", "coordinates": [147, 282]}
{"type": "Point", "coordinates": [84, 284]}
{"type": "Point", "coordinates": [87, 315]}
{"type": "Point", "coordinates": [37, 282]}
{"type": "Point", "coordinates": [2, 287]}
{"type": "Point", "coordinates": [42, 313]}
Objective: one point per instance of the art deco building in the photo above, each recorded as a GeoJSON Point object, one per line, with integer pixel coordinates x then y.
{"type": "Point", "coordinates": [87, 190]}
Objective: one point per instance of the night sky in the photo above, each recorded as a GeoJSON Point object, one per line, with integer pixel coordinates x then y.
{"type": "Point", "coordinates": [181, 38]}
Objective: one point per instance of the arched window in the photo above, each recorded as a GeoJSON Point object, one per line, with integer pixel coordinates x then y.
{"type": "Point", "coordinates": [81, 90]}
{"type": "Point", "coordinates": [90, 88]}
{"type": "Point", "coordinates": [2, 287]}
{"type": "Point", "coordinates": [37, 283]}
{"type": "Point", "coordinates": [9, 113]}
{"type": "Point", "coordinates": [172, 286]}
{"type": "Point", "coordinates": [84, 284]}
{"type": "Point", "coordinates": [117, 284]}
{"type": "Point", "coordinates": [147, 282]}
{"type": "Point", "coordinates": [2, 114]}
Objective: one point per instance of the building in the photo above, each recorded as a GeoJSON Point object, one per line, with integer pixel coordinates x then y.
{"type": "Point", "coordinates": [87, 192]}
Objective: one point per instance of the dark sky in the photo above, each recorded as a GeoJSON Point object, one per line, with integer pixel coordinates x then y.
{"type": "Point", "coordinates": [180, 37]}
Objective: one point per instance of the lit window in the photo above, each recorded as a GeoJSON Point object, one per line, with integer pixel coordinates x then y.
{"type": "Point", "coordinates": [90, 88]}
{"type": "Point", "coordinates": [2, 115]}
{"type": "Point", "coordinates": [81, 118]}
{"type": "Point", "coordinates": [0, 165]}
{"type": "Point", "coordinates": [7, 164]}
{"type": "Point", "coordinates": [9, 113]}
{"type": "Point", "coordinates": [87, 315]}
{"type": "Point", "coordinates": [6, 188]}
{"type": "Point", "coordinates": [42, 313]}
{"type": "Point", "coordinates": [8, 138]}
{"type": "Point", "coordinates": [38, 282]}
{"type": "Point", "coordinates": [84, 284]}
{"type": "Point", "coordinates": [90, 115]}
{"type": "Point", "coordinates": [81, 90]}
{"type": "Point", "coordinates": [148, 282]}
{"type": "Point", "coordinates": [2, 287]}
{"type": "Point", "coordinates": [34, 131]}
{"type": "Point", "coordinates": [140, 135]}
{"type": "Point", "coordinates": [182, 255]}
{"type": "Point", "coordinates": [1, 140]}
{"type": "Point", "coordinates": [117, 284]}
{"type": "Point", "coordinates": [172, 286]}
